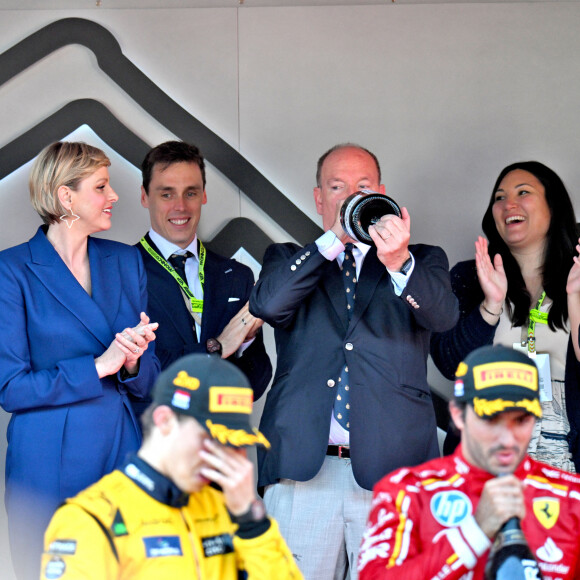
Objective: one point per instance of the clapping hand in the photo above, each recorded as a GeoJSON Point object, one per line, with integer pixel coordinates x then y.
{"type": "Point", "coordinates": [573, 283]}
{"type": "Point", "coordinates": [492, 279]}
{"type": "Point", "coordinates": [127, 348]}
{"type": "Point", "coordinates": [573, 291]}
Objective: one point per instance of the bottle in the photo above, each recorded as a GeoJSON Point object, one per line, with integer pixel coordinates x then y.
{"type": "Point", "coordinates": [510, 557]}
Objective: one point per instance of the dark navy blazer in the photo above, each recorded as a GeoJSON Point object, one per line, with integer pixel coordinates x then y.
{"type": "Point", "coordinates": [227, 288]}
{"type": "Point", "coordinates": [386, 343]}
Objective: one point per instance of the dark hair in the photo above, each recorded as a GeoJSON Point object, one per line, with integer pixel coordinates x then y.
{"type": "Point", "coordinates": [562, 238]}
{"type": "Point", "coordinates": [167, 154]}
{"type": "Point", "coordinates": [343, 146]}
{"type": "Point", "coordinates": [461, 405]}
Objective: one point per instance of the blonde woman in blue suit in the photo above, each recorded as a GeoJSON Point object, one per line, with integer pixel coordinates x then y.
{"type": "Point", "coordinates": [74, 342]}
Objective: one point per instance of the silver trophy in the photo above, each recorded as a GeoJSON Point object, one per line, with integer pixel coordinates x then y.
{"type": "Point", "coordinates": [363, 209]}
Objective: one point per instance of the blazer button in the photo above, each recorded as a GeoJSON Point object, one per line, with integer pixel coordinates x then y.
{"type": "Point", "coordinates": [349, 346]}
{"type": "Point", "coordinates": [330, 383]}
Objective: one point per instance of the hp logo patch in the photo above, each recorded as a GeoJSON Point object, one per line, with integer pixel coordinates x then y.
{"type": "Point", "coordinates": [450, 508]}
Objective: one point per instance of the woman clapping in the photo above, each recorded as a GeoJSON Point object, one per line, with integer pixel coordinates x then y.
{"type": "Point", "coordinates": [74, 342]}
{"type": "Point", "coordinates": [523, 291]}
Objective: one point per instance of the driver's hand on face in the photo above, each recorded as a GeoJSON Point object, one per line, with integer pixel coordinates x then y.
{"type": "Point", "coordinates": [231, 469]}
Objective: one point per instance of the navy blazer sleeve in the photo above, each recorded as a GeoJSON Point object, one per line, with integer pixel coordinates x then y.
{"type": "Point", "coordinates": [281, 289]}
{"type": "Point", "coordinates": [254, 361]}
{"type": "Point", "coordinates": [449, 348]}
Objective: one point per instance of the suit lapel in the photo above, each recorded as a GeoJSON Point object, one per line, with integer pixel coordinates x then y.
{"type": "Point", "coordinates": [372, 272]}
{"type": "Point", "coordinates": [107, 281]}
{"type": "Point", "coordinates": [164, 290]}
{"type": "Point", "coordinates": [216, 291]}
{"type": "Point", "coordinates": [334, 287]}
{"type": "Point", "coordinates": [52, 272]}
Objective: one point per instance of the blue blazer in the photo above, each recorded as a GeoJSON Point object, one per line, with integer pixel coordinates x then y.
{"type": "Point", "coordinates": [68, 427]}
{"type": "Point", "coordinates": [227, 288]}
{"type": "Point", "coordinates": [385, 344]}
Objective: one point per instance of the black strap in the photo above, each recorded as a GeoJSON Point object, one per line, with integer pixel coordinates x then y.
{"type": "Point", "coordinates": [106, 532]}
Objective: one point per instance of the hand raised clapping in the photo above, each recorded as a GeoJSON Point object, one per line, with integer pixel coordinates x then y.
{"type": "Point", "coordinates": [492, 279]}
{"type": "Point", "coordinates": [573, 283]}
{"type": "Point", "coordinates": [127, 348]}
{"type": "Point", "coordinates": [573, 291]}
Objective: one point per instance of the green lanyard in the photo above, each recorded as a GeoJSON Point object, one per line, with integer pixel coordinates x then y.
{"type": "Point", "coordinates": [535, 316]}
{"type": "Point", "coordinates": [196, 304]}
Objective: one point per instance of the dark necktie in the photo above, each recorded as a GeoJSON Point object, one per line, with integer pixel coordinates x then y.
{"type": "Point", "coordinates": [341, 403]}
{"type": "Point", "coordinates": [178, 263]}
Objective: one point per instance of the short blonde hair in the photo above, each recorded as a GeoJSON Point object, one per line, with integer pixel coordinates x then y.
{"type": "Point", "coordinates": [61, 163]}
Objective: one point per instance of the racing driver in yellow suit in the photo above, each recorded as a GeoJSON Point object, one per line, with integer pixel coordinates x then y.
{"type": "Point", "coordinates": [157, 517]}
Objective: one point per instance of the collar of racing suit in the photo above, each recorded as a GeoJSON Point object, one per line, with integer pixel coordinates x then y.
{"type": "Point", "coordinates": [154, 483]}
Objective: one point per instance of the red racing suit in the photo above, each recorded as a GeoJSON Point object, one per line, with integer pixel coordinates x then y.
{"type": "Point", "coordinates": [421, 525]}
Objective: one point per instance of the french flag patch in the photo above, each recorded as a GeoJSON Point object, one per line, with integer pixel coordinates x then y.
{"type": "Point", "coordinates": [181, 399]}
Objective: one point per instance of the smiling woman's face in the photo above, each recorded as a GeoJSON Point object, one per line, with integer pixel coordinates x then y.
{"type": "Point", "coordinates": [93, 201]}
{"type": "Point", "coordinates": [520, 210]}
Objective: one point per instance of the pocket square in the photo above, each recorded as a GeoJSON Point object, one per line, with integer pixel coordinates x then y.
{"type": "Point", "coordinates": [233, 299]}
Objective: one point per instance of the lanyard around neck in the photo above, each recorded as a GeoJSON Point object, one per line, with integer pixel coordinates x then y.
{"type": "Point", "coordinates": [196, 303]}
{"type": "Point", "coordinates": [535, 316]}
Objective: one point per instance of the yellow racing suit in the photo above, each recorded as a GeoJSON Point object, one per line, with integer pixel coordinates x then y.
{"type": "Point", "coordinates": [136, 524]}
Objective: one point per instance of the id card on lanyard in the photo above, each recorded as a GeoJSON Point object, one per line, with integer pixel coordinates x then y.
{"type": "Point", "coordinates": [529, 347]}
{"type": "Point", "coordinates": [196, 304]}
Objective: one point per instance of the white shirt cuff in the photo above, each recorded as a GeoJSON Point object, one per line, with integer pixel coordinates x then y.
{"type": "Point", "coordinates": [329, 245]}
{"type": "Point", "coordinates": [399, 279]}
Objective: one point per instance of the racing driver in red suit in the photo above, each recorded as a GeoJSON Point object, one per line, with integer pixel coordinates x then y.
{"type": "Point", "coordinates": [438, 520]}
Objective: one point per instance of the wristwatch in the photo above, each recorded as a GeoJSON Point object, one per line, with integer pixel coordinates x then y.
{"type": "Point", "coordinates": [406, 266]}
{"type": "Point", "coordinates": [255, 513]}
{"type": "Point", "coordinates": [213, 346]}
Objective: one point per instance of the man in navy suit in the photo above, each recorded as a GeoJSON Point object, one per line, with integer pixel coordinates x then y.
{"type": "Point", "coordinates": [198, 297]}
{"type": "Point", "coordinates": [350, 400]}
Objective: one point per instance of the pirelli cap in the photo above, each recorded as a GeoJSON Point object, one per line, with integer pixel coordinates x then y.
{"type": "Point", "coordinates": [215, 393]}
{"type": "Point", "coordinates": [494, 379]}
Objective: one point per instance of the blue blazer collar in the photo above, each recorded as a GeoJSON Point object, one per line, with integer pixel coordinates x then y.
{"type": "Point", "coordinates": [97, 313]}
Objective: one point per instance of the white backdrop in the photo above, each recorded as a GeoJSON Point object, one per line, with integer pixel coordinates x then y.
{"type": "Point", "coordinates": [445, 95]}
